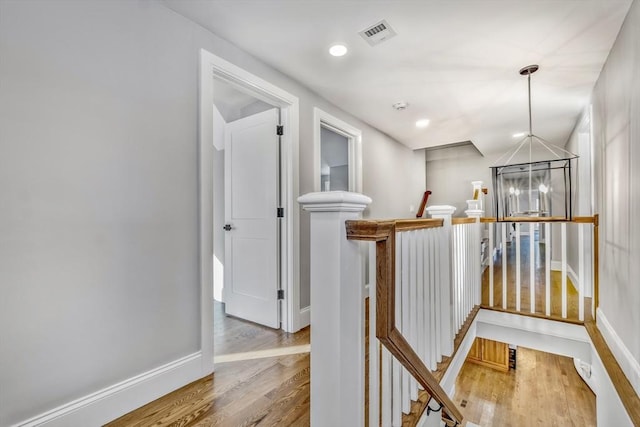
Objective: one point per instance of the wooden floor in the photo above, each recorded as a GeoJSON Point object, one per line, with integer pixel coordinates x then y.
{"type": "Point", "coordinates": [540, 289]}
{"type": "Point", "coordinates": [544, 390]}
{"type": "Point", "coordinates": [255, 384]}
{"type": "Point", "coordinates": [263, 390]}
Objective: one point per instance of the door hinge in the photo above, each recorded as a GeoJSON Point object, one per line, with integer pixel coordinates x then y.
{"type": "Point", "coordinates": [280, 293]}
{"type": "Point", "coordinates": [280, 213]}
{"type": "Point", "coordinates": [279, 130]}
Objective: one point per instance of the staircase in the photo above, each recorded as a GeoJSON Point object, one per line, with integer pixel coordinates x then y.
{"type": "Point", "coordinates": [424, 287]}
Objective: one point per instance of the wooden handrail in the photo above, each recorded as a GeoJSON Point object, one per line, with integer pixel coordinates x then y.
{"type": "Point", "coordinates": [383, 233]}
{"type": "Point", "coordinates": [576, 219]}
{"type": "Point", "coordinates": [374, 230]}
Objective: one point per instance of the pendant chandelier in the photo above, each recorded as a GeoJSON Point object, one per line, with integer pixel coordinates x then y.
{"type": "Point", "coordinates": [537, 185]}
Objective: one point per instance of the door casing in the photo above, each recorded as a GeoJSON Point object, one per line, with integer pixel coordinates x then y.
{"type": "Point", "coordinates": [212, 66]}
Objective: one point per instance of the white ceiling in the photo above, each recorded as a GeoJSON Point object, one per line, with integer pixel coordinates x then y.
{"type": "Point", "coordinates": [455, 62]}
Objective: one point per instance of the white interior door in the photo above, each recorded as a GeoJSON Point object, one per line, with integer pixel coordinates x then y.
{"type": "Point", "coordinates": [251, 201]}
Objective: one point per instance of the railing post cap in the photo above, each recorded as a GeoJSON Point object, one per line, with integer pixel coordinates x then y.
{"type": "Point", "coordinates": [441, 210]}
{"type": "Point", "coordinates": [475, 213]}
{"type": "Point", "coordinates": [334, 201]}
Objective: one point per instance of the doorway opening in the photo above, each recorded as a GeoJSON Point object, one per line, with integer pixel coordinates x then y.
{"type": "Point", "coordinates": [249, 97]}
{"type": "Point", "coordinates": [246, 195]}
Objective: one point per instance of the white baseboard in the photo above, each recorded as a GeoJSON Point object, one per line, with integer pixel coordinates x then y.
{"type": "Point", "coordinates": [305, 317]}
{"type": "Point", "coordinates": [448, 381]}
{"type": "Point", "coordinates": [114, 401]}
{"type": "Point", "coordinates": [557, 266]}
{"type": "Point", "coordinates": [573, 277]}
{"type": "Point", "coordinates": [627, 362]}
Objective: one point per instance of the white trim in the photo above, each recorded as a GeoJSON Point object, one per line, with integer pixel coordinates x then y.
{"type": "Point", "coordinates": [448, 381]}
{"type": "Point", "coordinates": [557, 266]}
{"type": "Point", "coordinates": [205, 212]}
{"type": "Point", "coordinates": [305, 316]}
{"type": "Point", "coordinates": [627, 362]}
{"type": "Point", "coordinates": [111, 402]}
{"type": "Point", "coordinates": [354, 135]}
{"type": "Point", "coordinates": [214, 66]}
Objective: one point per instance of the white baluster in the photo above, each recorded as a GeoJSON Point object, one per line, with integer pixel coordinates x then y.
{"type": "Point", "coordinates": [413, 310]}
{"type": "Point", "coordinates": [455, 268]}
{"type": "Point", "coordinates": [491, 231]}
{"type": "Point", "coordinates": [518, 267]}
{"type": "Point", "coordinates": [374, 346]}
{"type": "Point", "coordinates": [387, 384]}
{"type": "Point", "coordinates": [461, 252]}
{"type": "Point", "coordinates": [504, 266]}
{"type": "Point", "coordinates": [433, 355]}
{"type": "Point", "coordinates": [426, 252]}
{"type": "Point", "coordinates": [465, 281]}
{"type": "Point", "coordinates": [421, 284]}
{"type": "Point", "coordinates": [438, 309]}
{"type": "Point", "coordinates": [547, 267]}
{"type": "Point", "coordinates": [563, 233]}
{"type": "Point", "coordinates": [396, 397]}
{"type": "Point", "coordinates": [404, 315]}
{"type": "Point", "coordinates": [532, 268]}
{"type": "Point", "coordinates": [581, 279]}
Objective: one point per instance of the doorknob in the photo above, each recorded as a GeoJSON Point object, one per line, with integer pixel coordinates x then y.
{"type": "Point", "coordinates": [227, 227]}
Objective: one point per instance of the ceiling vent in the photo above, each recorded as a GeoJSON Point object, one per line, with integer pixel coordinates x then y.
{"type": "Point", "coordinates": [377, 33]}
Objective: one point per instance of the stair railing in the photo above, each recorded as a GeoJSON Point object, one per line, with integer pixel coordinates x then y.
{"type": "Point", "coordinates": [412, 314]}
{"type": "Point", "coordinates": [410, 317]}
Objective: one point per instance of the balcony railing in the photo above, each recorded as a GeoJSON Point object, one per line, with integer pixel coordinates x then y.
{"type": "Point", "coordinates": [523, 278]}
{"type": "Point", "coordinates": [427, 278]}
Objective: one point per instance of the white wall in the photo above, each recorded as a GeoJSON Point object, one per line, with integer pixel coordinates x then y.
{"type": "Point", "coordinates": [616, 139]}
{"type": "Point", "coordinates": [98, 182]}
{"type": "Point", "coordinates": [449, 173]}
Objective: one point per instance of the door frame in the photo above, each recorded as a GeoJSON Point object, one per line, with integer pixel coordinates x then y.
{"type": "Point", "coordinates": [212, 66]}
{"type": "Point", "coordinates": [354, 136]}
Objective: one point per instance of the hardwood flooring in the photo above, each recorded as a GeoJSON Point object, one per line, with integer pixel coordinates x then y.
{"type": "Point", "coordinates": [259, 391]}
{"type": "Point", "coordinates": [544, 390]}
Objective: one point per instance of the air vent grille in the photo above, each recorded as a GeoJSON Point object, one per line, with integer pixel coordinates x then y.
{"type": "Point", "coordinates": [377, 33]}
{"type": "Point", "coordinates": [375, 30]}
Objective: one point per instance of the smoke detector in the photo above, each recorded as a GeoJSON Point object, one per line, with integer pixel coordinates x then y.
{"type": "Point", "coordinates": [400, 106]}
{"type": "Point", "coordinates": [377, 33]}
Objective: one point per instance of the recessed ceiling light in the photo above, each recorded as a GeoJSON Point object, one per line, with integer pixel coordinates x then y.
{"type": "Point", "coordinates": [422, 123]}
{"type": "Point", "coordinates": [518, 135]}
{"type": "Point", "coordinates": [338, 50]}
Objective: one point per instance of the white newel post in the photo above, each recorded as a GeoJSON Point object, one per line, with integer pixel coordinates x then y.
{"type": "Point", "coordinates": [337, 313]}
{"type": "Point", "coordinates": [446, 266]}
{"type": "Point", "coordinates": [476, 241]}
